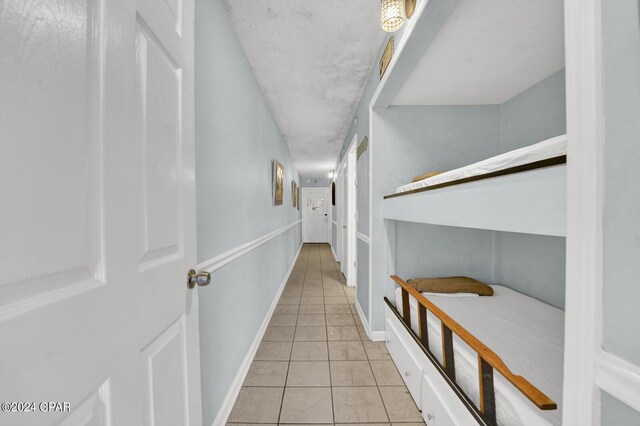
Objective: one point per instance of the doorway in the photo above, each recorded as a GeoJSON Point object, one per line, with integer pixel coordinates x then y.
{"type": "Point", "coordinates": [347, 214]}
{"type": "Point", "coordinates": [315, 215]}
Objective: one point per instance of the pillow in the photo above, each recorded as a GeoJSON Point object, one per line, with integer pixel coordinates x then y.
{"type": "Point", "coordinates": [425, 176]}
{"type": "Point", "coordinates": [450, 285]}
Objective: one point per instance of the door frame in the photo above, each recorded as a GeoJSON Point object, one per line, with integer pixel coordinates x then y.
{"type": "Point", "coordinates": [351, 208]}
{"type": "Point", "coordinates": [589, 369]}
{"type": "Point", "coordinates": [305, 237]}
{"type": "Point", "coordinates": [340, 249]}
{"type": "Point", "coordinates": [346, 191]}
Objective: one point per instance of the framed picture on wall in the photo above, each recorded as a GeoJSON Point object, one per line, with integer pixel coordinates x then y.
{"type": "Point", "coordinates": [294, 194]}
{"type": "Point", "coordinates": [333, 193]}
{"type": "Point", "coordinates": [278, 183]}
{"type": "Point", "coordinates": [298, 197]}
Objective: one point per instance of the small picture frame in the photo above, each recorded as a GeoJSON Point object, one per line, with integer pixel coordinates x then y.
{"type": "Point", "coordinates": [333, 193]}
{"type": "Point", "coordinates": [278, 183]}
{"type": "Point", "coordinates": [294, 194]}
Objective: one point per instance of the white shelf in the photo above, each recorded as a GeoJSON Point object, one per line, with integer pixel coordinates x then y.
{"type": "Point", "coordinates": [531, 202]}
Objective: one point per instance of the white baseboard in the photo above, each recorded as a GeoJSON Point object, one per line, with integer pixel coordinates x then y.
{"type": "Point", "coordinates": [234, 390]}
{"type": "Point", "coordinates": [378, 336]}
{"type": "Point", "coordinates": [335, 256]}
{"type": "Point", "coordinates": [375, 336]}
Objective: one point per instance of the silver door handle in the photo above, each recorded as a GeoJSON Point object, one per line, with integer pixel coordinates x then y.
{"type": "Point", "coordinates": [201, 278]}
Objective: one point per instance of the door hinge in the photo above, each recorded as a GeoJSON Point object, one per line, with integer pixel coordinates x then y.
{"type": "Point", "coordinates": [356, 182]}
{"type": "Point", "coordinates": [354, 263]}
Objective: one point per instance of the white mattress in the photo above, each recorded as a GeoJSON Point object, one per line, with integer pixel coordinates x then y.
{"type": "Point", "coordinates": [550, 148]}
{"type": "Point", "coordinates": [527, 334]}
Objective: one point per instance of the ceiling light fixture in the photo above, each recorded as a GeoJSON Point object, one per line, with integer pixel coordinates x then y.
{"type": "Point", "coordinates": [391, 15]}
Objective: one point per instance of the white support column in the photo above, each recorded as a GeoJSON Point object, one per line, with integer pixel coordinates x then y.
{"type": "Point", "coordinates": [583, 315]}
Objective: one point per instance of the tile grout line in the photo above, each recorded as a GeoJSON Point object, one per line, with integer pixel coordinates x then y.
{"type": "Point", "coordinates": [284, 389]}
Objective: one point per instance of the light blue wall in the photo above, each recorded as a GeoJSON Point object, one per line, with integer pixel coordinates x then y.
{"type": "Point", "coordinates": [362, 265]}
{"type": "Point", "coordinates": [531, 264]}
{"type": "Point", "coordinates": [621, 70]}
{"type": "Point", "coordinates": [534, 115]}
{"type": "Point", "coordinates": [362, 200]}
{"type": "Point", "coordinates": [236, 139]}
{"type": "Point", "coordinates": [616, 413]}
{"type": "Point", "coordinates": [441, 251]}
{"type": "Point", "coordinates": [315, 183]}
{"type": "Point", "coordinates": [621, 156]}
{"type": "Point", "coordinates": [334, 238]}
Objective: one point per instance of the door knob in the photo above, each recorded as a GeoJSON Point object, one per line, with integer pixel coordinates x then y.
{"type": "Point", "coordinates": [201, 278]}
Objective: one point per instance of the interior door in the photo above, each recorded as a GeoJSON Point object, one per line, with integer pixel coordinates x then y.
{"type": "Point", "coordinates": [344, 235]}
{"type": "Point", "coordinates": [315, 214]}
{"type": "Point", "coordinates": [97, 216]}
{"type": "Point", "coordinates": [339, 219]}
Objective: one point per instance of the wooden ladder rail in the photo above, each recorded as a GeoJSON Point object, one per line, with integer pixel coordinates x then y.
{"type": "Point", "coordinates": [487, 359]}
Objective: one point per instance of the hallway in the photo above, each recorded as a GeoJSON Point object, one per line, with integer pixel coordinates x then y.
{"type": "Point", "coordinates": [315, 363]}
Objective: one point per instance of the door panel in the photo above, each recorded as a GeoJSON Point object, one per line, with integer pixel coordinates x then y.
{"type": "Point", "coordinates": [33, 267]}
{"type": "Point", "coordinates": [94, 411]}
{"type": "Point", "coordinates": [165, 378]}
{"type": "Point", "coordinates": [158, 84]}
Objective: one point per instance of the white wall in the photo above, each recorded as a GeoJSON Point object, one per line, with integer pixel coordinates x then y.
{"type": "Point", "coordinates": [236, 139]}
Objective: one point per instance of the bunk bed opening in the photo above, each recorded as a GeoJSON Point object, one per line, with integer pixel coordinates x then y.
{"type": "Point", "coordinates": [504, 56]}
{"type": "Point", "coordinates": [478, 106]}
{"type": "Point", "coordinates": [520, 382]}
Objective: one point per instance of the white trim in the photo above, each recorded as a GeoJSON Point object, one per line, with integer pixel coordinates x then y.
{"type": "Point", "coordinates": [365, 323]}
{"type": "Point", "coordinates": [219, 261]}
{"type": "Point", "coordinates": [619, 378]}
{"type": "Point", "coordinates": [234, 390]}
{"type": "Point", "coordinates": [351, 207]}
{"type": "Point", "coordinates": [335, 258]}
{"type": "Point", "coordinates": [363, 237]}
{"type": "Point", "coordinates": [377, 336]}
{"type": "Point", "coordinates": [334, 222]}
{"type": "Point", "coordinates": [374, 336]}
{"type": "Point", "coordinates": [398, 50]}
{"type": "Point", "coordinates": [583, 314]}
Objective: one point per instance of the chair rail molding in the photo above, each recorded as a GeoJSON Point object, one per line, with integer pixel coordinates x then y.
{"type": "Point", "coordinates": [363, 237]}
{"type": "Point", "coordinates": [619, 378]}
{"type": "Point", "coordinates": [229, 256]}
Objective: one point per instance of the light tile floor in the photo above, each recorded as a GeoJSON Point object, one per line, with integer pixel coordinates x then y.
{"type": "Point", "coordinates": [315, 364]}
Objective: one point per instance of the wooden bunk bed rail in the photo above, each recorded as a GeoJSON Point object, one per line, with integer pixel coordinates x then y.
{"type": "Point", "coordinates": [488, 361]}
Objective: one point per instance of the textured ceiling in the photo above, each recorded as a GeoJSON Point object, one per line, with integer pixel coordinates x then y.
{"type": "Point", "coordinates": [311, 59]}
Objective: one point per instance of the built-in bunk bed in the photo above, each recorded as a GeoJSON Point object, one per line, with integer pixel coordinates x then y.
{"type": "Point", "coordinates": [469, 359]}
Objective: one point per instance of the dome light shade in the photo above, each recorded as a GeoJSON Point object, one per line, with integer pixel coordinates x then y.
{"type": "Point", "coordinates": [391, 15]}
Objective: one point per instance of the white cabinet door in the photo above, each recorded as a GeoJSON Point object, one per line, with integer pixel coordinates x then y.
{"type": "Point", "coordinates": [97, 212]}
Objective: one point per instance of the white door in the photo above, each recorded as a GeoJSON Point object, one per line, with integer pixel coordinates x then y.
{"type": "Point", "coordinates": [315, 214]}
{"type": "Point", "coordinates": [345, 220]}
{"type": "Point", "coordinates": [350, 213]}
{"type": "Point", "coordinates": [97, 205]}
